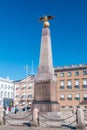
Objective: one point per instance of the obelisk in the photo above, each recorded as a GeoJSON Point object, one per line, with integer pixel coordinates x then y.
{"type": "Point", "coordinates": [45, 91]}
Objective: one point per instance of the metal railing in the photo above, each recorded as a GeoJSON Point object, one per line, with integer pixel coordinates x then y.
{"type": "Point", "coordinates": [49, 122]}
{"type": "Point", "coordinates": [17, 121]}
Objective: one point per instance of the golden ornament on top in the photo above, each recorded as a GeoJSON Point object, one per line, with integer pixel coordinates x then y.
{"type": "Point", "coordinates": [45, 20]}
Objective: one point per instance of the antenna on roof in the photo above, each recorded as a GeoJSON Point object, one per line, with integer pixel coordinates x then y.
{"type": "Point", "coordinates": [32, 68]}
{"type": "Point", "coordinates": [26, 68]}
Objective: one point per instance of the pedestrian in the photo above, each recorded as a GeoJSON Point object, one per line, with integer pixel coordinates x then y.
{"type": "Point", "coordinates": [76, 116]}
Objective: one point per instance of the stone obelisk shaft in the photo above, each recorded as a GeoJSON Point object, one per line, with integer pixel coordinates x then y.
{"type": "Point", "coordinates": [45, 62]}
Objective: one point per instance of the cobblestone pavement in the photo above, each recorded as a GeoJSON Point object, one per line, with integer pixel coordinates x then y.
{"type": "Point", "coordinates": [29, 128]}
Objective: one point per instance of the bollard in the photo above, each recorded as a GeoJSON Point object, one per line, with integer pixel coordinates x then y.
{"type": "Point", "coordinates": [80, 124]}
{"type": "Point", "coordinates": [35, 122]}
{"type": "Point", "coordinates": [38, 119]}
{"type": "Point", "coordinates": [4, 122]}
{"type": "Point", "coordinates": [1, 116]}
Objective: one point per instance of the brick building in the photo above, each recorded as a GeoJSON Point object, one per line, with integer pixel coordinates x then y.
{"type": "Point", "coordinates": [72, 85]}
{"type": "Point", "coordinates": [24, 92]}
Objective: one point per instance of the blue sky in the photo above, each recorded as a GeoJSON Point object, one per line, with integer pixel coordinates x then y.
{"type": "Point", "coordinates": [20, 34]}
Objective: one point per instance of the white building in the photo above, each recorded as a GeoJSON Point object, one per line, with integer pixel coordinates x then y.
{"type": "Point", "coordinates": [24, 92]}
{"type": "Point", "coordinates": [6, 91]}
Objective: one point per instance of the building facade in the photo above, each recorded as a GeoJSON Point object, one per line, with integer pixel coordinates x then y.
{"type": "Point", "coordinates": [6, 92]}
{"type": "Point", "coordinates": [71, 85]}
{"type": "Point", "coordinates": [24, 92]}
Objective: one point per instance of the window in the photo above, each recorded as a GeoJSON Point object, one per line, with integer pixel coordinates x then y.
{"type": "Point", "coordinates": [24, 86]}
{"type": "Point", "coordinates": [55, 74]}
{"type": "Point", "coordinates": [85, 97]}
{"type": "Point", "coordinates": [84, 83]}
{"type": "Point", "coordinates": [62, 74]}
{"type": "Point", "coordinates": [86, 107]}
{"type": "Point", "coordinates": [70, 106]}
{"type": "Point", "coordinates": [8, 94]}
{"type": "Point", "coordinates": [61, 84]}
{"type": "Point", "coordinates": [0, 102]}
{"type": "Point", "coordinates": [77, 97]}
{"type": "Point", "coordinates": [61, 87]}
{"type": "Point", "coordinates": [12, 87]}
{"type": "Point", "coordinates": [23, 97]}
{"type": "Point", "coordinates": [69, 84]}
{"type": "Point", "coordinates": [5, 94]}
{"type": "Point", "coordinates": [70, 97]}
{"type": "Point", "coordinates": [8, 87]}
{"type": "Point", "coordinates": [77, 84]}
{"type": "Point", "coordinates": [11, 94]}
{"type": "Point", "coordinates": [84, 72]}
{"type": "Point", "coordinates": [30, 86]}
{"type": "Point", "coordinates": [63, 106]}
{"type": "Point", "coordinates": [78, 106]}
{"type": "Point", "coordinates": [30, 95]}
{"type": "Point", "coordinates": [77, 73]}
{"type": "Point", "coordinates": [5, 86]}
{"type": "Point", "coordinates": [17, 96]}
{"type": "Point", "coordinates": [1, 85]}
{"type": "Point", "coordinates": [62, 97]}
{"type": "Point", "coordinates": [17, 87]}
{"type": "Point", "coordinates": [1, 93]}
{"type": "Point", "coordinates": [69, 74]}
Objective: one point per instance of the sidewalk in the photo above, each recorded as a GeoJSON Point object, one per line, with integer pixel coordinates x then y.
{"type": "Point", "coordinates": [29, 128]}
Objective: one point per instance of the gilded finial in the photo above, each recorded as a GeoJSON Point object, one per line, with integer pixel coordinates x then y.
{"type": "Point", "coordinates": [45, 20]}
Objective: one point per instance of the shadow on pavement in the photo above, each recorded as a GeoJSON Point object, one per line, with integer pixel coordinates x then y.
{"type": "Point", "coordinates": [27, 124]}
{"type": "Point", "coordinates": [71, 127]}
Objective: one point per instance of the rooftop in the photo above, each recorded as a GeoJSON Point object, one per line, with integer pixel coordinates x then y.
{"type": "Point", "coordinates": [71, 67]}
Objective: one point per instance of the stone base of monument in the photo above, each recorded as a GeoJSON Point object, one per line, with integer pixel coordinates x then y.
{"type": "Point", "coordinates": [54, 115]}
{"type": "Point", "coordinates": [45, 96]}
{"type": "Point", "coordinates": [46, 106]}
{"type": "Point", "coordinates": [80, 127]}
